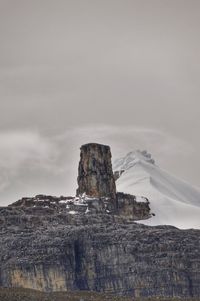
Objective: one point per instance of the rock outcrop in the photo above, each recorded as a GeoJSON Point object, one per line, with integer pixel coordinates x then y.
{"type": "Point", "coordinates": [90, 242]}
{"type": "Point", "coordinates": [51, 251]}
{"type": "Point", "coordinates": [129, 206]}
{"type": "Point", "coordinates": [95, 174]}
{"type": "Point", "coordinates": [97, 181]}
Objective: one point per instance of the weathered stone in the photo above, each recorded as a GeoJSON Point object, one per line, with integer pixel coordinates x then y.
{"type": "Point", "coordinates": [127, 206]}
{"type": "Point", "coordinates": [117, 174]}
{"type": "Point", "coordinates": [58, 243]}
{"type": "Point", "coordinates": [95, 174]}
{"type": "Point", "coordinates": [130, 208]}
{"type": "Point", "coordinates": [104, 253]}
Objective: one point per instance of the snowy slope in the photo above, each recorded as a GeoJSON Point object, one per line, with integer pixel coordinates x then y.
{"type": "Point", "coordinates": [173, 201]}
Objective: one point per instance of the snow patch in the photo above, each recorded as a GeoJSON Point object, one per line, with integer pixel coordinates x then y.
{"type": "Point", "coordinates": [141, 199]}
{"type": "Point", "coordinates": [87, 211]}
{"type": "Point", "coordinates": [73, 212]}
{"type": "Point", "coordinates": [65, 201]}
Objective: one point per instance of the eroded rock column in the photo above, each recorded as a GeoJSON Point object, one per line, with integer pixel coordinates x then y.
{"type": "Point", "coordinates": [95, 174]}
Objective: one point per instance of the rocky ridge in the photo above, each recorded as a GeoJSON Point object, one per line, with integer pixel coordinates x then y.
{"type": "Point", "coordinates": [92, 243]}
{"type": "Point", "coordinates": [98, 252]}
{"type": "Point", "coordinates": [128, 206]}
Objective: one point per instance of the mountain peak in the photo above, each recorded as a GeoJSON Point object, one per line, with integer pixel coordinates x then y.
{"type": "Point", "coordinates": [133, 157]}
{"type": "Point", "coordinates": [173, 201]}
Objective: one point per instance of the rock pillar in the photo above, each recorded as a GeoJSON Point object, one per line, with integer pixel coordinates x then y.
{"type": "Point", "coordinates": [95, 174]}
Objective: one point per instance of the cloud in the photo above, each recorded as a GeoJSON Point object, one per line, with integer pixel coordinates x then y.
{"type": "Point", "coordinates": [24, 150]}
{"type": "Point", "coordinates": [169, 151]}
{"type": "Point", "coordinates": [126, 138]}
{"type": "Point", "coordinates": [32, 162]}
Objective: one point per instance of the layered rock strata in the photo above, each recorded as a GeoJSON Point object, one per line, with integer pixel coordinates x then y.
{"type": "Point", "coordinates": [133, 207]}
{"type": "Point", "coordinates": [90, 242]}
{"type": "Point", "coordinates": [128, 206]}
{"type": "Point", "coordinates": [51, 251]}
{"type": "Point", "coordinates": [95, 174]}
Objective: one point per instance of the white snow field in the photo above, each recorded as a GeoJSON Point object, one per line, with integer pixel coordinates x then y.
{"type": "Point", "coordinates": [173, 201]}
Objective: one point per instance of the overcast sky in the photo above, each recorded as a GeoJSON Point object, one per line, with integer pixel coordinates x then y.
{"type": "Point", "coordinates": [125, 73]}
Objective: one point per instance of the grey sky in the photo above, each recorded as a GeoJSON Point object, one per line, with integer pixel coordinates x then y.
{"type": "Point", "coordinates": [125, 73]}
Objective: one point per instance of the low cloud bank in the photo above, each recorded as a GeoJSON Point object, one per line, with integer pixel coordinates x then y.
{"type": "Point", "coordinates": [32, 162]}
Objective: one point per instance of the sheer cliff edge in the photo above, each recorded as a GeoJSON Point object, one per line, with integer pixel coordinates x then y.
{"type": "Point", "coordinates": [92, 242]}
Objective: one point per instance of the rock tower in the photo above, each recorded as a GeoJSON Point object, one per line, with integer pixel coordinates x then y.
{"type": "Point", "coordinates": [95, 174]}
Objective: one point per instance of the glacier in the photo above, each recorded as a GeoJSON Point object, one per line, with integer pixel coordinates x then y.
{"type": "Point", "coordinates": [173, 201]}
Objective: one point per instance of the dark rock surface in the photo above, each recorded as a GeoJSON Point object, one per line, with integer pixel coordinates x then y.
{"type": "Point", "coordinates": [95, 174]}
{"type": "Point", "coordinates": [21, 294]}
{"type": "Point", "coordinates": [91, 243]}
{"type": "Point", "coordinates": [50, 250]}
{"type": "Point", "coordinates": [128, 207]}
{"type": "Point", "coordinates": [117, 174]}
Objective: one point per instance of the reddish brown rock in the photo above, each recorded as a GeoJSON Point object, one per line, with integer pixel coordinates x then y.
{"type": "Point", "coordinates": [95, 174]}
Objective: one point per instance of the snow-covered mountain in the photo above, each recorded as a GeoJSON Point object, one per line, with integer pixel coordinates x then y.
{"type": "Point", "coordinates": [173, 201]}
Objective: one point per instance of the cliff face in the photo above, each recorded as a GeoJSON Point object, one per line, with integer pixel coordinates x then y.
{"type": "Point", "coordinates": [95, 175]}
{"type": "Point", "coordinates": [90, 242]}
{"type": "Point", "coordinates": [130, 207]}
{"type": "Point", "coordinates": [51, 251]}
